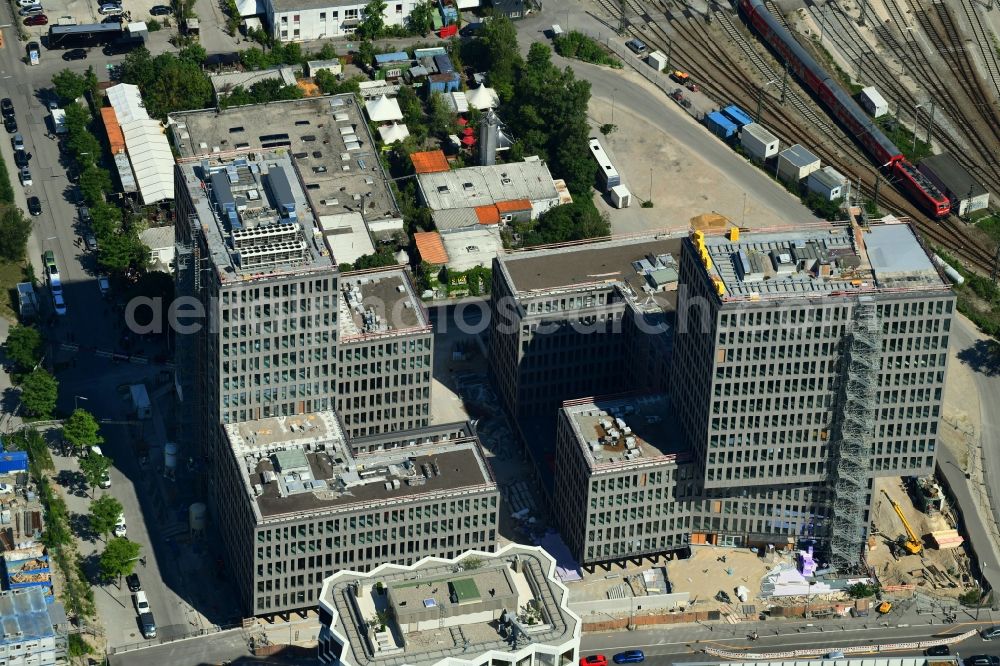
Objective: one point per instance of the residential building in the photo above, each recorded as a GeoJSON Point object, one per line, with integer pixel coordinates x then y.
{"type": "Point", "coordinates": [476, 608]}
{"type": "Point", "coordinates": [812, 359]}
{"type": "Point", "coordinates": [309, 20]}
{"type": "Point", "coordinates": [302, 502]}
{"type": "Point", "coordinates": [516, 190]}
{"type": "Point", "coordinates": [34, 632]}
{"type": "Point", "coordinates": [966, 193]}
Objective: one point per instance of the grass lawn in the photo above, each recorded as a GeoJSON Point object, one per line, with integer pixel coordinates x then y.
{"type": "Point", "coordinates": [991, 225]}
{"type": "Point", "coordinates": [10, 274]}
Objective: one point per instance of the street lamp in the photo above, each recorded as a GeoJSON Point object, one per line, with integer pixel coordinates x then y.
{"type": "Point", "coordinates": [76, 398]}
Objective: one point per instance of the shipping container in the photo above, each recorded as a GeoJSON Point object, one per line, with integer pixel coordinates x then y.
{"type": "Point", "coordinates": [758, 142]}
{"type": "Point", "coordinates": [737, 115]}
{"type": "Point", "coordinates": [720, 126]}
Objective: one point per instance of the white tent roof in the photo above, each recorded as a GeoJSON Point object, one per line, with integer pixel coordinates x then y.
{"type": "Point", "coordinates": [383, 110]}
{"type": "Point", "coordinates": [127, 103]}
{"type": "Point", "coordinates": [393, 133]}
{"type": "Point", "coordinates": [483, 98]}
{"type": "Point", "coordinates": [152, 161]}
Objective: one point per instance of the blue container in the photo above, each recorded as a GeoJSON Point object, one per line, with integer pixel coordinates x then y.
{"type": "Point", "coordinates": [737, 115]}
{"type": "Point", "coordinates": [720, 126]}
{"type": "Point", "coordinates": [13, 461]}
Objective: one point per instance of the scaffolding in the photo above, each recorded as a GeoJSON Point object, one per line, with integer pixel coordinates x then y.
{"type": "Point", "coordinates": [187, 345]}
{"type": "Point", "coordinates": [857, 431]}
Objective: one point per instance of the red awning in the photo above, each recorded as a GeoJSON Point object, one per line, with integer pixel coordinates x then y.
{"type": "Point", "coordinates": [462, 121]}
{"type": "Point", "coordinates": [468, 131]}
{"type": "Point", "coordinates": [468, 140]}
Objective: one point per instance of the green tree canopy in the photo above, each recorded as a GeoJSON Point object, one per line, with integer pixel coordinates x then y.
{"type": "Point", "coordinates": [118, 558]}
{"type": "Point", "coordinates": [14, 231]}
{"type": "Point", "coordinates": [169, 82]}
{"type": "Point", "coordinates": [499, 36]}
{"type": "Point", "coordinates": [39, 392]}
{"type": "Point", "coordinates": [94, 466]}
{"type": "Point", "coordinates": [69, 86]}
{"type": "Point", "coordinates": [372, 24]}
{"type": "Point", "coordinates": [94, 182]}
{"type": "Point", "coordinates": [104, 513]}
{"type": "Point", "coordinates": [569, 222]}
{"type": "Point", "coordinates": [81, 430]}
{"type": "Point", "coordinates": [441, 119]}
{"type": "Point", "coordinates": [421, 19]}
{"type": "Point", "coordinates": [24, 346]}
{"type": "Point", "coordinates": [121, 251]}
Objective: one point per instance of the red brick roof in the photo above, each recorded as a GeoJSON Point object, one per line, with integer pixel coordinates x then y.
{"type": "Point", "coordinates": [431, 161]}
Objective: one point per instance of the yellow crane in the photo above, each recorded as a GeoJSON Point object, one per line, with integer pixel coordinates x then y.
{"type": "Point", "coordinates": [911, 543]}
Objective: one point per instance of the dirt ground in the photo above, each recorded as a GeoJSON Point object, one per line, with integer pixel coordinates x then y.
{"type": "Point", "coordinates": [704, 574]}
{"type": "Point", "coordinates": [935, 572]}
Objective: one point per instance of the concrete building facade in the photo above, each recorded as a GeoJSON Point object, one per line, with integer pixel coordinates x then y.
{"type": "Point", "coordinates": [308, 20]}
{"type": "Point", "coordinates": [302, 503]}
{"type": "Point", "coordinates": [34, 632]}
{"type": "Point", "coordinates": [474, 609]}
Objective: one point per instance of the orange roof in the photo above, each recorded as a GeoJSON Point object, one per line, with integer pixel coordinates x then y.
{"type": "Point", "coordinates": [430, 247]}
{"type": "Point", "coordinates": [114, 131]}
{"type": "Point", "coordinates": [513, 206]}
{"type": "Point", "coordinates": [488, 214]}
{"type": "Point", "coordinates": [431, 161]}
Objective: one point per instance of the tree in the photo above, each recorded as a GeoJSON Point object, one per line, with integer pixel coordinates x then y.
{"type": "Point", "coordinates": [90, 77]}
{"type": "Point", "coordinates": [118, 558]}
{"type": "Point", "coordinates": [121, 251]}
{"type": "Point", "coordinates": [862, 590]}
{"type": "Point", "coordinates": [569, 222]}
{"type": "Point", "coordinates": [69, 86]}
{"type": "Point", "coordinates": [94, 466]}
{"type": "Point", "coordinates": [442, 119]}
{"type": "Point", "coordinates": [39, 391]}
{"type": "Point", "coordinates": [104, 513]}
{"type": "Point", "coordinates": [24, 346]}
{"type": "Point", "coordinates": [366, 54]}
{"type": "Point", "coordinates": [421, 20]}
{"type": "Point", "coordinates": [14, 231]}
{"type": "Point", "coordinates": [193, 53]}
{"type": "Point", "coordinates": [499, 36]}
{"type": "Point", "coordinates": [326, 52]}
{"type": "Point", "coordinates": [81, 430]}
{"type": "Point", "coordinates": [94, 182]}
{"type": "Point", "coordinates": [372, 20]}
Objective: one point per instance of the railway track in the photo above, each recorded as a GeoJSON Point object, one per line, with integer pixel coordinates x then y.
{"type": "Point", "coordinates": [989, 53]}
{"type": "Point", "coordinates": [698, 50]}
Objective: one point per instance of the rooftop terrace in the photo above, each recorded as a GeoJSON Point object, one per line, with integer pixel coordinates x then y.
{"type": "Point", "coordinates": [302, 464]}
{"type": "Point", "coordinates": [634, 429]}
{"type": "Point", "coordinates": [820, 260]}
{"type": "Point", "coordinates": [378, 302]}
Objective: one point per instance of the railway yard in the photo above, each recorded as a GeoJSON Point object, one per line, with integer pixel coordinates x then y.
{"type": "Point", "coordinates": [936, 63]}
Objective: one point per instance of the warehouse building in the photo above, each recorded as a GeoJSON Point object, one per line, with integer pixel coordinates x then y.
{"type": "Point", "coordinates": [759, 143]}
{"type": "Point", "coordinates": [301, 503]}
{"type": "Point", "coordinates": [309, 20]}
{"type": "Point", "coordinates": [966, 193]}
{"type": "Point", "coordinates": [476, 608]}
{"type": "Point", "coordinates": [783, 319]}
{"type": "Point", "coordinates": [795, 163]}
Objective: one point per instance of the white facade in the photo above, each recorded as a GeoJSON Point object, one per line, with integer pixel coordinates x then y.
{"type": "Point", "coordinates": [657, 60]}
{"type": "Point", "coordinates": [522, 577]}
{"type": "Point", "coordinates": [621, 197]}
{"type": "Point", "coordinates": [758, 141]}
{"type": "Point", "coordinates": [827, 183]}
{"type": "Point", "coordinates": [795, 163]}
{"type": "Point", "coordinates": [873, 102]}
{"type": "Point", "coordinates": [162, 251]}
{"type": "Point", "coordinates": [308, 20]}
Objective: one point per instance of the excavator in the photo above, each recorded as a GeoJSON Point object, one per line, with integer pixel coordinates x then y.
{"type": "Point", "coordinates": [911, 542]}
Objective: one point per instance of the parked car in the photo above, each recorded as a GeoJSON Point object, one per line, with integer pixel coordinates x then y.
{"type": "Point", "coordinates": [132, 580]}
{"type": "Point", "coordinates": [49, 261]}
{"type": "Point", "coordinates": [84, 213]}
{"type": "Point", "coordinates": [594, 660]}
{"type": "Point", "coordinates": [105, 480]}
{"type": "Point", "coordinates": [26, 177]}
{"type": "Point", "coordinates": [10, 124]}
{"type": "Point", "coordinates": [17, 142]}
{"type": "Point", "coordinates": [6, 107]}
{"type": "Point", "coordinates": [26, 3]}
{"type": "Point", "coordinates": [21, 159]}
{"type": "Point", "coordinates": [629, 657]}
{"type": "Point", "coordinates": [982, 660]}
{"type": "Point", "coordinates": [58, 303]}
{"type": "Point", "coordinates": [75, 54]}
{"type": "Point", "coordinates": [104, 285]}
{"type": "Point", "coordinates": [90, 241]}
{"type": "Point", "coordinates": [938, 651]}
{"type": "Point", "coordinates": [121, 531]}
{"type": "Point", "coordinates": [37, 19]}
{"type": "Point", "coordinates": [109, 10]}
{"type": "Point", "coordinates": [636, 46]}
{"type": "Point", "coordinates": [147, 624]}
{"type": "Point", "coordinates": [141, 602]}
{"type": "Point", "coordinates": [34, 206]}
{"type": "Point", "coordinates": [111, 19]}
{"type": "Point", "coordinates": [161, 10]}
{"type": "Point", "coordinates": [31, 10]}
{"type": "Point", "coordinates": [990, 633]}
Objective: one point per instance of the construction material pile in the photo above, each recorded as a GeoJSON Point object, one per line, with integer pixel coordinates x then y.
{"type": "Point", "coordinates": [946, 539]}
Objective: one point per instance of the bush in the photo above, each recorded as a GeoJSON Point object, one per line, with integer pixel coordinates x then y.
{"type": "Point", "coordinates": [78, 647]}
{"type": "Point", "coordinates": [153, 25]}
{"type": "Point", "coordinates": [862, 590]}
{"type": "Point", "coordinates": [578, 45]}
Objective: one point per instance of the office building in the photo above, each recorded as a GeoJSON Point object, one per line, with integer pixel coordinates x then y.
{"type": "Point", "coordinates": [812, 359]}
{"type": "Point", "coordinates": [34, 633]}
{"type": "Point", "coordinates": [302, 502]}
{"type": "Point", "coordinates": [476, 608]}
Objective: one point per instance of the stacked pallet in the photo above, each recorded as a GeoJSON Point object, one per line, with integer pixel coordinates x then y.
{"type": "Point", "coordinates": [946, 539]}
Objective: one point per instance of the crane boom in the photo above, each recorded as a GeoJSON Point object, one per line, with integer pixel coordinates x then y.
{"type": "Point", "coordinates": [913, 545]}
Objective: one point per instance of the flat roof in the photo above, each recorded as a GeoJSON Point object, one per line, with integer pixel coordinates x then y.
{"type": "Point", "coordinates": [24, 615]}
{"type": "Point", "coordinates": [347, 235]}
{"type": "Point", "coordinates": [300, 464]}
{"type": "Point", "coordinates": [484, 185]}
{"type": "Point", "coordinates": [604, 262]}
{"type": "Point", "coordinates": [378, 302]}
{"type": "Point", "coordinates": [819, 260]}
{"type": "Point", "coordinates": [798, 155]}
{"type": "Point", "coordinates": [955, 178]}
{"type": "Point", "coordinates": [632, 430]}
{"type": "Point", "coordinates": [760, 132]}
{"type": "Point", "coordinates": [473, 247]}
{"type": "Point", "coordinates": [469, 592]}
{"type": "Point", "coordinates": [328, 140]}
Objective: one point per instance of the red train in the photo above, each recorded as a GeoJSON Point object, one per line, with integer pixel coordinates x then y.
{"type": "Point", "coordinates": [845, 109]}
